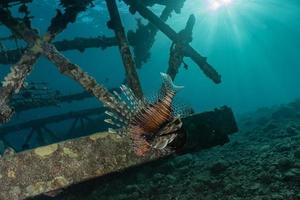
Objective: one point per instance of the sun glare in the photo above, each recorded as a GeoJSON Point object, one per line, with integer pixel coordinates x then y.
{"type": "Point", "coordinates": [216, 4]}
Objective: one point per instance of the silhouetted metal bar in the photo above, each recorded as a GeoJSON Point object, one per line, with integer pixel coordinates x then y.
{"type": "Point", "coordinates": [56, 166]}
{"type": "Point", "coordinates": [143, 38]}
{"type": "Point", "coordinates": [4, 130]}
{"type": "Point", "coordinates": [5, 2]}
{"type": "Point", "coordinates": [9, 1]}
{"type": "Point", "coordinates": [80, 44]}
{"type": "Point", "coordinates": [201, 61]}
{"type": "Point", "coordinates": [14, 80]}
{"type": "Point", "coordinates": [76, 73]}
{"type": "Point", "coordinates": [115, 24]}
{"type": "Point", "coordinates": [20, 106]}
{"type": "Point", "coordinates": [75, 97]}
{"type": "Point", "coordinates": [177, 49]}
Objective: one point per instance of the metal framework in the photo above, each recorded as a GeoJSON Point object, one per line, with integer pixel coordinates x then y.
{"type": "Point", "coordinates": [41, 45]}
{"type": "Point", "coordinates": [57, 166]}
{"type": "Point", "coordinates": [40, 170]}
{"type": "Point", "coordinates": [82, 122]}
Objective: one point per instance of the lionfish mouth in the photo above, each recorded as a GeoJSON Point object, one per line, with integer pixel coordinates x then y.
{"type": "Point", "coordinates": [150, 125]}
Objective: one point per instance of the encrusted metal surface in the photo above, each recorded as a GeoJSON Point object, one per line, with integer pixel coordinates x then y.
{"type": "Point", "coordinates": [55, 166]}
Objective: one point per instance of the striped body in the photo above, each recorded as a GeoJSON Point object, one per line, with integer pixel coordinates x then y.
{"type": "Point", "coordinates": [148, 124]}
{"type": "Point", "coordinates": [153, 116]}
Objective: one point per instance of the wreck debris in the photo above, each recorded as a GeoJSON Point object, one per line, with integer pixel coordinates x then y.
{"type": "Point", "coordinates": [143, 38]}
{"type": "Point", "coordinates": [80, 44]}
{"type": "Point", "coordinates": [9, 3]}
{"type": "Point", "coordinates": [115, 24]}
{"type": "Point", "coordinates": [21, 28]}
{"type": "Point", "coordinates": [189, 51]}
{"type": "Point", "coordinates": [84, 122]}
{"type": "Point", "coordinates": [63, 164]}
{"type": "Point", "coordinates": [29, 99]}
{"type": "Point", "coordinates": [34, 94]}
{"type": "Point", "coordinates": [75, 72]}
{"type": "Point", "coordinates": [59, 165]}
{"type": "Point", "coordinates": [177, 49]}
{"type": "Point", "coordinates": [61, 20]}
{"type": "Point", "coordinates": [7, 129]}
{"type": "Point", "coordinates": [14, 81]}
{"type": "Point", "coordinates": [53, 99]}
{"type": "Point", "coordinates": [215, 127]}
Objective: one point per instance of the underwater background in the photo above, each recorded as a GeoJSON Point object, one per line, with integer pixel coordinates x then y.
{"type": "Point", "coordinates": [253, 44]}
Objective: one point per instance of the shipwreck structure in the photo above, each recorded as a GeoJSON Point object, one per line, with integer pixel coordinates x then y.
{"type": "Point", "coordinates": [63, 162]}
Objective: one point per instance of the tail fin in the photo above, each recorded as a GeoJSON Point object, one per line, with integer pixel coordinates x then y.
{"type": "Point", "coordinates": [168, 83]}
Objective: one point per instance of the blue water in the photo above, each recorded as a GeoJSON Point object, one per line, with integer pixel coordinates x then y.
{"type": "Point", "coordinates": [253, 44]}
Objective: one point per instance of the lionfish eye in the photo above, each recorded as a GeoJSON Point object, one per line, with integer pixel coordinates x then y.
{"type": "Point", "coordinates": [148, 136]}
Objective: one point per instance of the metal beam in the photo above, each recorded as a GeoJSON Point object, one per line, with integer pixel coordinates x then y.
{"type": "Point", "coordinates": [115, 24]}
{"type": "Point", "coordinates": [4, 130]}
{"type": "Point", "coordinates": [14, 80]}
{"type": "Point", "coordinates": [80, 44]}
{"type": "Point", "coordinates": [31, 173]}
{"type": "Point", "coordinates": [201, 61]}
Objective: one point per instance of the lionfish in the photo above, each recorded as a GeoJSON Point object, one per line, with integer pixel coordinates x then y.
{"type": "Point", "coordinates": [149, 124]}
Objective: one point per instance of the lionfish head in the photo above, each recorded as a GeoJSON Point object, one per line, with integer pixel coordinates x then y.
{"type": "Point", "coordinates": [150, 125]}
